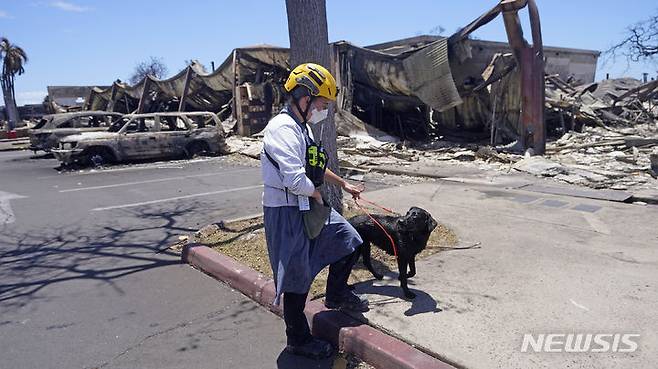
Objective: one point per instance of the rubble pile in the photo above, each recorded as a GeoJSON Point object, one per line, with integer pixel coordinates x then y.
{"type": "Point", "coordinates": [247, 146]}
{"type": "Point", "coordinates": [600, 158]}
{"type": "Point", "coordinates": [594, 158]}
{"type": "Point", "coordinates": [611, 104]}
{"type": "Point", "coordinates": [368, 153]}
{"type": "Point", "coordinates": [611, 132]}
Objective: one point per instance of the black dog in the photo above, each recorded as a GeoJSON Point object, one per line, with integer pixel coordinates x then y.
{"type": "Point", "coordinates": [410, 234]}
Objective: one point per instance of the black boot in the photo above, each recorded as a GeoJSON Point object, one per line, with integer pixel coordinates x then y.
{"type": "Point", "coordinates": [348, 301]}
{"type": "Point", "coordinates": [314, 349]}
{"type": "Point", "coordinates": [339, 295]}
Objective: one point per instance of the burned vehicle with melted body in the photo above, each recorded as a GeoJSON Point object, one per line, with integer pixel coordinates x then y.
{"type": "Point", "coordinates": [52, 128]}
{"type": "Point", "coordinates": [146, 136]}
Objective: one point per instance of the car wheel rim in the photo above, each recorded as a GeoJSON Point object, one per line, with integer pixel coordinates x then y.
{"type": "Point", "coordinates": [97, 160]}
{"type": "Point", "coordinates": [196, 151]}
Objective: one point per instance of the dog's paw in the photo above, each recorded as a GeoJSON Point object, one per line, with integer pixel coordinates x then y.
{"type": "Point", "coordinates": [411, 274]}
{"type": "Point", "coordinates": [409, 295]}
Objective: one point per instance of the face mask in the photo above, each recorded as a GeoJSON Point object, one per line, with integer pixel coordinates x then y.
{"type": "Point", "coordinates": [318, 116]}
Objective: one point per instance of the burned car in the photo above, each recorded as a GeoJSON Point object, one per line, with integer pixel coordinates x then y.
{"type": "Point", "coordinates": [146, 136]}
{"type": "Point", "coordinates": [51, 128]}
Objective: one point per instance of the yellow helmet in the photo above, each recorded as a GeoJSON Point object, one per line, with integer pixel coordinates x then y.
{"type": "Point", "coordinates": [316, 78]}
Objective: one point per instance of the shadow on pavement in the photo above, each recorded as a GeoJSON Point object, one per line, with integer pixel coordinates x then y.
{"type": "Point", "coordinates": [423, 303]}
{"type": "Point", "coordinates": [136, 241]}
{"type": "Point", "coordinates": [41, 156]}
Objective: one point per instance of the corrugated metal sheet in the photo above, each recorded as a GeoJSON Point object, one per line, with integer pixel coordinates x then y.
{"type": "Point", "coordinates": [428, 72]}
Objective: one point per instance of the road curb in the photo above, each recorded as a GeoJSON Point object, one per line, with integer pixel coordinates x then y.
{"type": "Point", "coordinates": [240, 277]}
{"type": "Point", "coordinates": [404, 172]}
{"type": "Point", "coordinates": [348, 334]}
{"type": "Point", "coordinates": [653, 200]}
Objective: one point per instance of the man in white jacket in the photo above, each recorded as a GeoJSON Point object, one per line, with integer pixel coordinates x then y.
{"type": "Point", "coordinates": [293, 168]}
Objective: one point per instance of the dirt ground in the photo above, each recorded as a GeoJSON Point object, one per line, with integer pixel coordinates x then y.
{"type": "Point", "coordinates": [349, 361]}
{"type": "Point", "coordinates": [245, 242]}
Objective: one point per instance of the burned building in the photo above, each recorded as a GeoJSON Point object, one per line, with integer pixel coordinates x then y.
{"type": "Point", "coordinates": [382, 85]}
{"type": "Point", "coordinates": [247, 74]}
{"type": "Point", "coordinates": [413, 88]}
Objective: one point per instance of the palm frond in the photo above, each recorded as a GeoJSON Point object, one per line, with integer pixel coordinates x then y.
{"type": "Point", "coordinates": [14, 58]}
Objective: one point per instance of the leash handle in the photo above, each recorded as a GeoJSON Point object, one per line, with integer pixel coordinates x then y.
{"type": "Point", "coordinates": [395, 250]}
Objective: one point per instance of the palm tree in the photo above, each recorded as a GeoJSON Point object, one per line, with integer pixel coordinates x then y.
{"type": "Point", "coordinates": [13, 58]}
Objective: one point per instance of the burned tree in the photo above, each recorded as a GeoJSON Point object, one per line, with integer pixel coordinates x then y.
{"type": "Point", "coordinates": [641, 42]}
{"type": "Point", "coordinates": [153, 67]}
{"type": "Point", "coordinates": [309, 42]}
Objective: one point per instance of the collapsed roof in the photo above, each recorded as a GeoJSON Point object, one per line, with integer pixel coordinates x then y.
{"type": "Point", "coordinates": [430, 81]}
{"type": "Point", "coordinates": [202, 91]}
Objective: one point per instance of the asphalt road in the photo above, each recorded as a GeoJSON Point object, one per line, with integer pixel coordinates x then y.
{"type": "Point", "coordinates": [86, 280]}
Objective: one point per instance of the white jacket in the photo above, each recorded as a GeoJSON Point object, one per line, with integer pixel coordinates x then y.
{"type": "Point", "coordinates": [285, 141]}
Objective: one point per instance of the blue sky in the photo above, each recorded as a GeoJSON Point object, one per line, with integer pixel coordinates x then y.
{"type": "Point", "coordinates": [77, 42]}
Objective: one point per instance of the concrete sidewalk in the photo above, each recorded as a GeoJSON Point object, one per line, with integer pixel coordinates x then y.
{"type": "Point", "coordinates": [547, 264]}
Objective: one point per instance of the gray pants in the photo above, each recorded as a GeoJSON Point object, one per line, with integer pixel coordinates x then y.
{"type": "Point", "coordinates": [296, 260]}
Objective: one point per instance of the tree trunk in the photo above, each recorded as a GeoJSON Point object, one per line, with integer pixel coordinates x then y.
{"type": "Point", "coordinates": [10, 104]}
{"type": "Point", "coordinates": [14, 106]}
{"type": "Point", "coordinates": [309, 43]}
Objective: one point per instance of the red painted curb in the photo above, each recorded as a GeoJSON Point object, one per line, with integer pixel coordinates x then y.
{"type": "Point", "coordinates": [348, 334]}
{"type": "Point", "coordinates": [244, 279]}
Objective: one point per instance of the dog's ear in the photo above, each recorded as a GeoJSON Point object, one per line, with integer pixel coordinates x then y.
{"type": "Point", "coordinates": [431, 224]}
{"type": "Point", "coordinates": [403, 222]}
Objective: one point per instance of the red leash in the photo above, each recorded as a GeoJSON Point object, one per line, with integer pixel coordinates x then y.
{"type": "Point", "coordinates": [376, 205]}
{"type": "Point", "coordinates": [356, 201]}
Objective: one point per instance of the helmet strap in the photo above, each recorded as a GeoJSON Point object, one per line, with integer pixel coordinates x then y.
{"type": "Point", "coordinates": [304, 113]}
